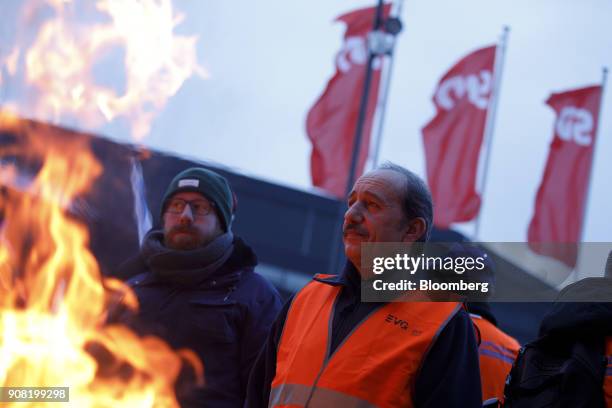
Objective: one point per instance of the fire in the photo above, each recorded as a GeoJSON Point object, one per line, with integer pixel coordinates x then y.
{"type": "Point", "coordinates": [54, 303]}
{"type": "Point", "coordinates": [59, 66]}
{"type": "Point", "coordinates": [53, 300]}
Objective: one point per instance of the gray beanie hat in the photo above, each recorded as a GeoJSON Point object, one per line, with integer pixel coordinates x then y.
{"type": "Point", "coordinates": [211, 185]}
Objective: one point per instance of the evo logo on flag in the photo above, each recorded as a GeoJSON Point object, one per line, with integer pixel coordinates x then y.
{"type": "Point", "coordinates": [575, 124]}
{"type": "Point", "coordinates": [396, 321]}
{"type": "Point", "coordinates": [478, 89]}
{"type": "Point", "coordinates": [354, 51]}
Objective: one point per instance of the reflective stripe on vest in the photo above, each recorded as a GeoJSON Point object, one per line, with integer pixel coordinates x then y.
{"type": "Point", "coordinates": [608, 377]}
{"type": "Point", "coordinates": [497, 352]}
{"type": "Point", "coordinates": [296, 395]}
{"type": "Point", "coordinates": [375, 365]}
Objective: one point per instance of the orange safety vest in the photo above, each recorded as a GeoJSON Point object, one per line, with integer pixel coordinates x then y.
{"type": "Point", "coordinates": [375, 366]}
{"type": "Point", "coordinates": [608, 377]}
{"type": "Point", "coordinates": [497, 352]}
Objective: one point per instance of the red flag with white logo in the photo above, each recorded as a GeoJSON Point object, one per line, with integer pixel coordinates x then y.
{"type": "Point", "coordinates": [453, 138]}
{"type": "Point", "coordinates": [561, 198]}
{"type": "Point", "coordinates": [332, 121]}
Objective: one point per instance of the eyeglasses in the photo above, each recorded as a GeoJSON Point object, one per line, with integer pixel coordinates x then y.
{"type": "Point", "coordinates": [198, 207]}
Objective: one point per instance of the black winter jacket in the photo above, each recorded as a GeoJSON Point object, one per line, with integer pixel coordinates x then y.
{"type": "Point", "coordinates": [225, 319]}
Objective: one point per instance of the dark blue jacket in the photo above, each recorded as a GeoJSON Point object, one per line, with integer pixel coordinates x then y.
{"type": "Point", "coordinates": [449, 376]}
{"type": "Point", "coordinates": [224, 319]}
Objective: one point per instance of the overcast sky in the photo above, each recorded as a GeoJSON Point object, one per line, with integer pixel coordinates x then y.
{"type": "Point", "coordinates": [269, 61]}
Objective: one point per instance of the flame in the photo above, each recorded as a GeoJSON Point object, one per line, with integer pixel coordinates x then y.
{"type": "Point", "coordinates": [60, 63]}
{"type": "Point", "coordinates": [53, 301]}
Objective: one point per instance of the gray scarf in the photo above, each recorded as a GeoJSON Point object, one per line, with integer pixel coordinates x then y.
{"type": "Point", "coordinates": [186, 266]}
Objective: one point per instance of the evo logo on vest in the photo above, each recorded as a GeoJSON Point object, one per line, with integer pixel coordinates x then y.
{"type": "Point", "coordinates": [396, 321]}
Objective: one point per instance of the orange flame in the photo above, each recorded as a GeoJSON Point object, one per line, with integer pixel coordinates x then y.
{"type": "Point", "coordinates": [60, 63]}
{"type": "Point", "coordinates": [53, 301]}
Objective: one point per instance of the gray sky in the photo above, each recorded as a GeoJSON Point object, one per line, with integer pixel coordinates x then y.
{"type": "Point", "coordinates": [269, 61]}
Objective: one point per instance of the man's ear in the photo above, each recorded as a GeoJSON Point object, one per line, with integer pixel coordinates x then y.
{"type": "Point", "coordinates": [415, 229]}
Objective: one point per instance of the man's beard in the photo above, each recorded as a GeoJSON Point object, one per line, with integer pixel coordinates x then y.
{"type": "Point", "coordinates": [183, 238]}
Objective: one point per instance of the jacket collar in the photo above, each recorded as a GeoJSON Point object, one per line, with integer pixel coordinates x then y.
{"type": "Point", "coordinates": [348, 278]}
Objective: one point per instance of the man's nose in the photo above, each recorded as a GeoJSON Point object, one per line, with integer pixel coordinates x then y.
{"type": "Point", "coordinates": [353, 214]}
{"type": "Point", "coordinates": [187, 214]}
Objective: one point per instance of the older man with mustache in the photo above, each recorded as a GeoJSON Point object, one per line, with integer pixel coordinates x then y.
{"type": "Point", "coordinates": [329, 349]}
{"type": "Point", "coordinates": [196, 285]}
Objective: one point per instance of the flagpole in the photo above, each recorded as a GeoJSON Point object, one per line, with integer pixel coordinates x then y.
{"type": "Point", "coordinates": [604, 78]}
{"type": "Point", "coordinates": [364, 103]}
{"type": "Point", "coordinates": [490, 122]}
{"type": "Point", "coordinates": [382, 100]}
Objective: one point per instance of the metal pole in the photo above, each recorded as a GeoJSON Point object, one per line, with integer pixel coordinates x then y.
{"type": "Point", "coordinates": [382, 100]}
{"type": "Point", "coordinates": [490, 121]}
{"type": "Point", "coordinates": [604, 77]}
{"type": "Point", "coordinates": [337, 248]}
{"type": "Point", "coordinates": [364, 104]}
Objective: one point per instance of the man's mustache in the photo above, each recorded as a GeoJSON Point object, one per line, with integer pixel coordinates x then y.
{"type": "Point", "coordinates": [182, 229]}
{"type": "Point", "coordinates": [354, 228]}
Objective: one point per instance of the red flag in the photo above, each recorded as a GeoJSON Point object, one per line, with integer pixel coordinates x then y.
{"type": "Point", "coordinates": [332, 121]}
{"type": "Point", "coordinates": [561, 197]}
{"type": "Point", "coordinates": [454, 137]}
